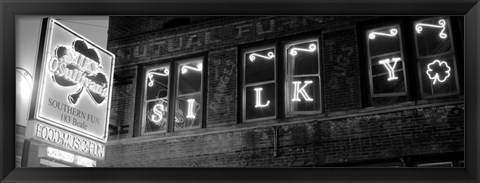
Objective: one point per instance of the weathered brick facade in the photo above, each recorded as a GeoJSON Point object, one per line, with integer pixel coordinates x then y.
{"type": "Point", "coordinates": [344, 133]}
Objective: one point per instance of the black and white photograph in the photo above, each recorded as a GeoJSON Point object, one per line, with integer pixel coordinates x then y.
{"type": "Point", "coordinates": [241, 91]}
{"type": "Point", "coordinates": [253, 91]}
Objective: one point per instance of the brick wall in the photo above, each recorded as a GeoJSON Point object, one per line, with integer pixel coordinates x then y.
{"type": "Point", "coordinates": [342, 79]}
{"type": "Point", "coordinates": [343, 133]}
{"type": "Point", "coordinates": [408, 132]}
{"type": "Point", "coordinates": [132, 25]}
{"type": "Point", "coordinates": [126, 26]}
{"type": "Point", "coordinates": [222, 90]}
{"type": "Point", "coordinates": [123, 100]}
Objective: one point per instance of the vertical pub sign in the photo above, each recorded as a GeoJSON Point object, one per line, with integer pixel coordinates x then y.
{"type": "Point", "coordinates": [70, 105]}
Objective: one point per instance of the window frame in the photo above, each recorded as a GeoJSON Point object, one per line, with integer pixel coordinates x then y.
{"type": "Point", "coordinates": [144, 101]}
{"type": "Point", "coordinates": [244, 53]}
{"type": "Point", "coordinates": [401, 52]}
{"type": "Point", "coordinates": [176, 93]}
{"type": "Point", "coordinates": [412, 65]}
{"type": "Point", "coordinates": [287, 77]}
{"type": "Point", "coordinates": [451, 52]}
{"type": "Point", "coordinates": [172, 92]}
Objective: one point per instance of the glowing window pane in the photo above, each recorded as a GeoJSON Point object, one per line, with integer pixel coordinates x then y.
{"type": "Point", "coordinates": [381, 76]}
{"type": "Point", "coordinates": [259, 83]}
{"type": "Point", "coordinates": [433, 37]}
{"type": "Point", "coordinates": [309, 101]}
{"type": "Point", "coordinates": [437, 67]}
{"type": "Point", "coordinates": [156, 115]}
{"type": "Point", "coordinates": [384, 44]}
{"type": "Point", "coordinates": [302, 85]}
{"type": "Point", "coordinates": [386, 65]}
{"type": "Point", "coordinates": [261, 68]}
{"type": "Point", "coordinates": [155, 104]}
{"type": "Point", "coordinates": [267, 95]}
{"type": "Point", "coordinates": [303, 57]}
{"type": "Point", "coordinates": [189, 112]}
{"type": "Point", "coordinates": [438, 77]}
{"type": "Point", "coordinates": [156, 82]}
{"type": "Point", "coordinates": [190, 75]}
{"type": "Point", "coordinates": [188, 106]}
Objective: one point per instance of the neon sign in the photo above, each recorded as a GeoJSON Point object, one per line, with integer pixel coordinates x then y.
{"type": "Point", "coordinates": [441, 24]}
{"type": "Point", "coordinates": [311, 48]}
{"type": "Point", "coordinates": [390, 68]}
{"type": "Point", "coordinates": [159, 111]}
{"type": "Point", "coordinates": [61, 155]}
{"type": "Point", "coordinates": [190, 108]}
{"type": "Point", "coordinates": [68, 140]}
{"type": "Point", "coordinates": [258, 97]}
{"type": "Point", "coordinates": [435, 75]}
{"type": "Point", "coordinates": [74, 83]}
{"type": "Point", "coordinates": [393, 33]}
{"type": "Point", "coordinates": [86, 162]}
{"type": "Point", "coordinates": [297, 90]}
{"type": "Point", "coordinates": [151, 73]}
{"type": "Point", "coordinates": [79, 66]}
{"type": "Point", "coordinates": [186, 67]}
{"type": "Point", "coordinates": [269, 56]}
{"type": "Point", "coordinates": [69, 157]}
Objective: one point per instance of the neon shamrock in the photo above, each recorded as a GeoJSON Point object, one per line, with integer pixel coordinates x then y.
{"type": "Point", "coordinates": [438, 71]}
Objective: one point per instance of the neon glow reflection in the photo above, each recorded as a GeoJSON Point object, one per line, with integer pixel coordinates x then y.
{"type": "Point", "coordinates": [311, 48]}
{"type": "Point", "coordinates": [436, 77]}
{"type": "Point", "coordinates": [393, 33]}
{"type": "Point", "coordinates": [390, 68]}
{"type": "Point", "coordinates": [441, 24]}
{"type": "Point", "coordinates": [24, 83]}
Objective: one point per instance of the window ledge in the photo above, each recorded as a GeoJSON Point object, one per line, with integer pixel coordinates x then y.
{"type": "Point", "coordinates": [387, 107]}
{"type": "Point", "coordinates": [406, 106]}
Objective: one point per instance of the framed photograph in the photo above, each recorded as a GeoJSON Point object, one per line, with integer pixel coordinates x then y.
{"type": "Point", "coordinates": [291, 91]}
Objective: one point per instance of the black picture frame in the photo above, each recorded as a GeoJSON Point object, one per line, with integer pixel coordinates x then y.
{"type": "Point", "coordinates": [469, 8]}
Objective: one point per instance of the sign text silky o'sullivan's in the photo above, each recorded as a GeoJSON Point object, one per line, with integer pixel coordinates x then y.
{"type": "Point", "coordinates": [74, 83]}
{"type": "Point", "coordinates": [69, 141]}
{"type": "Point", "coordinates": [79, 66]}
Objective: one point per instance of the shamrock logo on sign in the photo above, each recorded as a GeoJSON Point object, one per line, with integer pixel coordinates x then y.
{"type": "Point", "coordinates": [438, 71]}
{"type": "Point", "coordinates": [79, 66]}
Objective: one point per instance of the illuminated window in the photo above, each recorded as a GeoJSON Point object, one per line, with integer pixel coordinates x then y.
{"type": "Point", "coordinates": [259, 89]}
{"type": "Point", "coordinates": [156, 98]}
{"type": "Point", "coordinates": [302, 81]}
{"type": "Point", "coordinates": [386, 64]}
{"type": "Point", "coordinates": [412, 50]}
{"type": "Point", "coordinates": [187, 94]}
{"type": "Point", "coordinates": [435, 57]}
{"type": "Point", "coordinates": [188, 109]}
